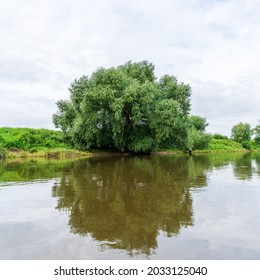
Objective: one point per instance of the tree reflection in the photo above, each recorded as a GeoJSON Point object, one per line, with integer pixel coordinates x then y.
{"type": "Point", "coordinates": [125, 202]}
{"type": "Point", "coordinates": [243, 168]}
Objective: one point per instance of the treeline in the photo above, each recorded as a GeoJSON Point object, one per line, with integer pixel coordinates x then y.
{"type": "Point", "coordinates": [242, 136]}
{"type": "Point", "coordinates": [248, 137]}
{"type": "Point", "coordinates": [127, 108]}
{"type": "Point", "coordinates": [29, 139]}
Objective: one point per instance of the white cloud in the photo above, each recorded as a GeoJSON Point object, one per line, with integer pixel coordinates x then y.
{"type": "Point", "coordinates": [213, 45]}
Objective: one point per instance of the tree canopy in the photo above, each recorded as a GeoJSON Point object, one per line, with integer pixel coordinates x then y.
{"type": "Point", "coordinates": [242, 133]}
{"type": "Point", "coordinates": [257, 133]}
{"type": "Point", "coordinates": [198, 139]}
{"type": "Point", "coordinates": [199, 123]}
{"type": "Point", "coordinates": [126, 108]}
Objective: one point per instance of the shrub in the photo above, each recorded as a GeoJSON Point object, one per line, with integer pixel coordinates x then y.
{"type": "Point", "coordinates": [219, 136]}
{"type": "Point", "coordinates": [29, 138]}
{"type": "Point", "coordinates": [199, 140]}
{"type": "Point", "coordinates": [224, 145]}
{"type": "Point", "coordinates": [246, 145]}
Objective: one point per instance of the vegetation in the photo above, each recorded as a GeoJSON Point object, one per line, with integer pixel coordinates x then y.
{"type": "Point", "coordinates": [241, 133]}
{"type": "Point", "coordinates": [219, 136]}
{"type": "Point", "coordinates": [127, 109]}
{"type": "Point", "coordinates": [29, 139]}
{"type": "Point", "coordinates": [198, 138]}
{"type": "Point", "coordinates": [29, 142]}
{"type": "Point", "coordinates": [226, 145]}
{"type": "Point", "coordinates": [3, 152]}
{"type": "Point", "coordinates": [256, 131]}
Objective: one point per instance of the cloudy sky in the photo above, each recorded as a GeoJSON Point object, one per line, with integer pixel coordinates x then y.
{"type": "Point", "coordinates": [214, 45]}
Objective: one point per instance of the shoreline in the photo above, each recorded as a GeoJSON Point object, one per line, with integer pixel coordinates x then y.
{"type": "Point", "coordinates": [71, 153]}
{"type": "Point", "coordinates": [47, 154]}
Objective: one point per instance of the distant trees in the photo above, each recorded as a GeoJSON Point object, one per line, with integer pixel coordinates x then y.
{"type": "Point", "coordinates": [242, 133]}
{"type": "Point", "coordinates": [256, 131]}
{"type": "Point", "coordinates": [219, 136]}
{"type": "Point", "coordinates": [128, 109]}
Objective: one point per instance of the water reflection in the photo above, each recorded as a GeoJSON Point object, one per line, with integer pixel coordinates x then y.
{"type": "Point", "coordinates": [243, 167]}
{"type": "Point", "coordinates": [29, 170]}
{"type": "Point", "coordinates": [129, 203]}
{"type": "Point", "coordinates": [124, 202]}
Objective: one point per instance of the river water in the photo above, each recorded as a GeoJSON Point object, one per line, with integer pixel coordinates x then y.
{"type": "Point", "coordinates": [127, 207]}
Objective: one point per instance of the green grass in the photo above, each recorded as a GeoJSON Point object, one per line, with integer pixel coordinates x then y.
{"type": "Point", "coordinates": [29, 139]}
{"type": "Point", "coordinates": [58, 153]}
{"type": "Point", "coordinates": [216, 145]}
{"type": "Point", "coordinates": [35, 143]}
{"type": "Point", "coordinates": [44, 143]}
{"type": "Point", "coordinates": [224, 145]}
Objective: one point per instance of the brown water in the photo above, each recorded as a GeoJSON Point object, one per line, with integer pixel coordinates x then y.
{"type": "Point", "coordinates": [152, 207]}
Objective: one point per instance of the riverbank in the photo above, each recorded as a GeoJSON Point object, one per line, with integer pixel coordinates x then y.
{"type": "Point", "coordinates": [215, 146]}
{"type": "Point", "coordinates": [48, 153]}
{"type": "Point", "coordinates": [73, 154]}
{"type": "Point", "coordinates": [43, 143]}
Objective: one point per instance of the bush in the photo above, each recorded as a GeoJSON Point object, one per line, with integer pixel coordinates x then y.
{"type": "Point", "coordinates": [224, 145]}
{"type": "Point", "coordinates": [219, 136]}
{"type": "Point", "coordinates": [246, 145]}
{"type": "Point", "coordinates": [199, 140]}
{"type": "Point", "coordinates": [29, 138]}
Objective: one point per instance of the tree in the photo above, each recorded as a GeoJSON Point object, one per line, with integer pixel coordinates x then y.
{"type": "Point", "coordinates": [242, 133]}
{"type": "Point", "coordinates": [257, 133]}
{"type": "Point", "coordinates": [219, 136]}
{"type": "Point", "coordinates": [125, 108]}
{"type": "Point", "coordinates": [199, 123]}
{"type": "Point", "coordinates": [198, 138]}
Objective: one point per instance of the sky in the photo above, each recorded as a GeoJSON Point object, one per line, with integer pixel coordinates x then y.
{"type": "Point", "coordinates": [213, 45]}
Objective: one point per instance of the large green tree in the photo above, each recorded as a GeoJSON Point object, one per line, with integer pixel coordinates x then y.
{"type": "Point", "coordinates": [126, 108]}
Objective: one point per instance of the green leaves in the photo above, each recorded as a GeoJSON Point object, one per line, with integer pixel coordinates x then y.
{"type": "Point", "coordinates": [29, 138]}
{"type": "Point", "coordinates": [126, 109]}
{"type": "Point", "coordinates": [241, 132]}
{"type": "Point", "coordinates": [257, 133]}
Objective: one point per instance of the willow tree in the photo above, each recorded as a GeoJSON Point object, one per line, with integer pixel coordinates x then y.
{"type": "Point", "coordinates": [125, 108]}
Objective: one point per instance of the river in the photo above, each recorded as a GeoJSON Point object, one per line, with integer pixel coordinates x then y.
{"type": "Point", "coordinates": [127, 207]}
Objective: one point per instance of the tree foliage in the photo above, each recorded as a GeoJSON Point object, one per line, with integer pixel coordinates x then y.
{"type": "Point", "coordinates": [219, 136]}
{"type": "Point", "coordinates": [242, 133]}
{"type": "Point", "coordinates": [30, 139]}
{"type": "Point", "coordinates": [257, 133]}
{"type": "Point", "coordinates": [125, 108]}
{"type": "Point", "coordinates": [198, 139]}
{"type": "Point", "coordinates": [199, 123]}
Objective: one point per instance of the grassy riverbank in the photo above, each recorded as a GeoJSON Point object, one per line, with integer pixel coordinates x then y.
{"type": "Point", "coordinates": [35, 143]}
{"type": "Point", "coordinates": [219, 146]}
{"type": "Point", "coordinates": [44, 143]}
{"type": "Point", "coordinates": [59, 153]}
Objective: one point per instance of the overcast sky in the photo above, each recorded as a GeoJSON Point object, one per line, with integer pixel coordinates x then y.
{"type": "Point", "coordinates": [214, 45]}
